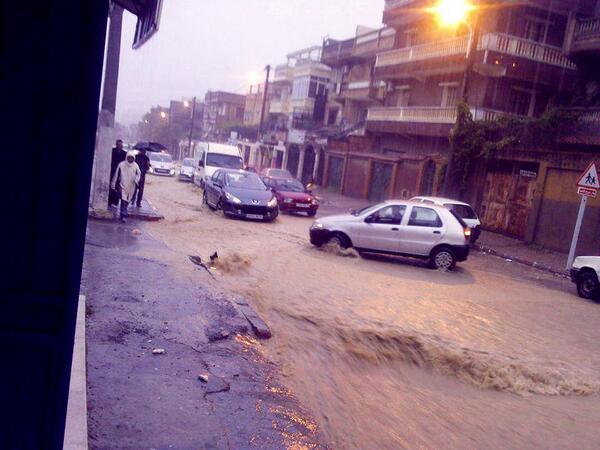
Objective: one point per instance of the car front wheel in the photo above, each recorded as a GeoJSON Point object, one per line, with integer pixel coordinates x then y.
{"type": "Point", "coordinates": [443, 259]}
{"type": "Point", "coordinates": [588, 286]}
{"type": "Point", "coordinates": [340, 240]}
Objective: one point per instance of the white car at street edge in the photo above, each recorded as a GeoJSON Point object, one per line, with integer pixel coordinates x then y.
{"type": "Point", "coordinates": [584, 273]}
{"type": "Point", "coordinates": [462, 209]}
{"type": "Point", "coordinates": [186, 171]}
{"type": "Point", "coordinates": [399, 227]}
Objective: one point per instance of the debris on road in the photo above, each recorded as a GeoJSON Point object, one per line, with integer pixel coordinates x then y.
{"type": "Point", "coordinates": [214, 257]}
{"type": "Point", "coordinates": [217, 335]}
{"type": "Point", "coordinates": [258, 325]}
{"type": "Point", "coordinates": [203, 377]}
{"type": "Point", "coordinates": [198, 261]}
{"type": "Point", "coordinates": [158, 351]}
{"type": "Point", "coordinates": [136, 232]}
{"type": "Point", "coordinates": [216, 384]}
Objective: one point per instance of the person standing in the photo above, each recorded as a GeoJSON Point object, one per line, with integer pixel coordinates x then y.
{"type": "Point", "coordinates": [117, 156]}
{"type": "Point", "coordinates": [143, 163]}
{"type": "Point", "coordinates": [127, 175]}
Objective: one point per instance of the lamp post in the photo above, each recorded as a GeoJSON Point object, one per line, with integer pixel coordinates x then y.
{"type": "Point", "coordinates": [193, 116]}
{"type": "Point", "coordinates": [451, 13]}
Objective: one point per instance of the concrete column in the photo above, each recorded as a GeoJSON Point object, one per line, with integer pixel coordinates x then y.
{"type": "Point", "coordinates": [285, 158]}
{"type": "Point", "coordinates": [301, 163]}
{"type": "Point", "coordinates": [316, 168]}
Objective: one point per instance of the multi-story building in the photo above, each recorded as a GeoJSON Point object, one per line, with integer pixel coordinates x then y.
{"type": "Point", "coordinates": [301, 87]}
{"type": "Point", "coordinates": [526, 55]}
{"type": "Point", "coordinates": [221, 111]}
{"type": "Point", "coordinates": [254, 104]}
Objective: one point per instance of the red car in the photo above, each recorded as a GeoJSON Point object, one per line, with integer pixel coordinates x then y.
{"type": "Point", "coordinates": [292, 196]}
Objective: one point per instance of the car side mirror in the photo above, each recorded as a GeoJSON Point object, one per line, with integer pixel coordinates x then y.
{"type": "Point", "coordinates": [369, 219]}
{"type": "Point", "coordinates": [200, 163]}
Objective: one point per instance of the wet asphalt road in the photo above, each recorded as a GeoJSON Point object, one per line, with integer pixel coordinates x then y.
{"type": "Point", "coordinates": [386, 353]}
{"type": "Point", "coordinates": [137, 303]}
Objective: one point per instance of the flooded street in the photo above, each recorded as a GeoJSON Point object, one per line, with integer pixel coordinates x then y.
{"type": "Point", "coordinates": [389, 354]}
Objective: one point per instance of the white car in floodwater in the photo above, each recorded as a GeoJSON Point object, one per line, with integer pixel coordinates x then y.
{"type": "Point", "coordinates": [584, 273]}
{"type": "Point", "coordinates": [161, 164]}
{"type": "Point", "coordinates": [462, 209]}
{"type": "Point", "coordinates": [399, 227]}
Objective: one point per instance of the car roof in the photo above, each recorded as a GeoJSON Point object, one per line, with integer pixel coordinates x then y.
{"type": "Point", "coordinates": [416, 203]}
{"type": "Point", "coordinates": [233, 171]}
{"type": "Point", "coordinates": [440, 200]}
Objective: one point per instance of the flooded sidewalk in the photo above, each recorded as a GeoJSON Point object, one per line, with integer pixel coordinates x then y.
{"type": "Point", "coordinates": [172, 363]}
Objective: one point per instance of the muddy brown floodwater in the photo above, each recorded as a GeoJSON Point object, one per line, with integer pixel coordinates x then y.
{"type": "Point", "coordinates": [389, 354]}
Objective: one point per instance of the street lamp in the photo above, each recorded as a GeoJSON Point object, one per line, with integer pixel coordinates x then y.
{"type": "Point", "coordinates": [192, 117]}
{"type": "Point", "coordinates": [163, 115]}
{"type": "Point", "coordinates": [451, 13]}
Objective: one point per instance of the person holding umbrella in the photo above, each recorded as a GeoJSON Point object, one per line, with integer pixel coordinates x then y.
{"type": "Point", "coordinates": [127, 176]}
{"type": "Point", "coordinates": [143, 163]}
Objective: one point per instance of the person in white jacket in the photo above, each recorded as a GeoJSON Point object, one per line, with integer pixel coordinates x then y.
{"type": "Point", "coordinates": [125, 180]}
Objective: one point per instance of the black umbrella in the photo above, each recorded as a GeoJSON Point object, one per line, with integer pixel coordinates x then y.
{"type": "Point", "coordinates": [149, 146]}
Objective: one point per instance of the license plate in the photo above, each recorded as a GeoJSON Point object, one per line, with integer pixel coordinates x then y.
{"type": "Point", "coordinates": [254, 216]}
{"type": "Point", "coordinates": [302, 205]}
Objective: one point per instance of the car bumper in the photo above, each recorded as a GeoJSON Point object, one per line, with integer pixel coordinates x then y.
{"type": "Point", "coordinates": [574, 274]}
{"type": "Point", "coordinates": [461, 252]}
{"type": "Point", "coordinates": [186, 177]}
{"type": "Point", "coordinates": [475, 233]}
{"type": "Point", "coordinates": [250, 211]}
{"type": "Point", "coordinates": [162, 174]}
{"type": "Point", "coordinates": [293, 207]}
{"type": "Point", "coordinates": [319, 236]}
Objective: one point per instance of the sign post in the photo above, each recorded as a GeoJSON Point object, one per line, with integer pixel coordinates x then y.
{"type": "Point", "coordinates": [587, 186]}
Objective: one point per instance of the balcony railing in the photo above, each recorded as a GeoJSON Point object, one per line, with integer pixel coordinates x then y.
{"type": "Point", "coordinates": [502, 43]}
{"type": "Point", "coordinates": [447, 47]}
{"type": "Point", "coordinates": [391, 4]}
{"type": "Point", "coordinates": [279, 107]}
{"type": "Point", "coordinates": [587, 27]}
{"type": "Point", "coordinates": [283, 72]}
{"type": "Point", "coordinates": [365, 44]}
{"type": "Point", "coordinates": [431, 114]}
{"type": "Point", "coordinates": [412, 114]}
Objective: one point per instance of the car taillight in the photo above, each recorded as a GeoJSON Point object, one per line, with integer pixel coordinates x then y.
{"type": "Point", "coordinates": [467, 232]}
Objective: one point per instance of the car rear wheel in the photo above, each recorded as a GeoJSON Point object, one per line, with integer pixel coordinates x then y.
{"type": "Point", "coordinates": [205, 201]}
{"type": "Point", "coordinates": [443, 259]}
{"type": "Point", "coordinates": [588, 286]}
{"type": "Point", "coordinates": [311, 213]}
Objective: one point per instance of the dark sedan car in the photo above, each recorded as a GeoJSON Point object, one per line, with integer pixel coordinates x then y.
{"type": "Point", "coordinates": [239, 193]}
{"type": "Point", "coordinates": [292, 196]}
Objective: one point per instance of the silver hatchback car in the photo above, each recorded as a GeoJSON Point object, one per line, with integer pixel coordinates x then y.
{"type": "Point", "coordinates": [398, 227]}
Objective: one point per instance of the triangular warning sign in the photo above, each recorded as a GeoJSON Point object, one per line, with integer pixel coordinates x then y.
{"type": "Point", "coordinates": [589, 178]}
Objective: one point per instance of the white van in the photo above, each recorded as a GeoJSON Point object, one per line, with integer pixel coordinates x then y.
{"type": "Point", "coordinates": [211, 156]}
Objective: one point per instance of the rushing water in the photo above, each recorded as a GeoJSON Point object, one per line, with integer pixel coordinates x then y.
{"type": "Point", "coordinates": [392, 355]}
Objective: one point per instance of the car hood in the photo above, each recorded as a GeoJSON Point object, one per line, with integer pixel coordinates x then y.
{"type": "Point", "coordinates": [338, 218]}
{"type": "Point", "coordinates": [186, 169]}
{"type": "Point", "coordinates": [295, 195]}
{"type": "Point", "coordinates": [249, 196]}
{"type": "Point", "coordinates": [587, 261]}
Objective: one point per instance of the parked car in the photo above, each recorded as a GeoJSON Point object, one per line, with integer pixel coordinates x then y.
{"type": "Point", "coordinates": [161, 164]}
{"type": "Point", "coordinates": [240, 194]}
{"type": "Point", "coordinates": [211, 156]}
{"type": "Point", "coordinates": [584, 273]}
{"type": "Point", "coordinates": [276, 173]}
{"type": "Point", "coordinates": [462, 209]}
{"type": "Point", "coordinates": [186, 171]}
{"type": "Point", "coordinates": [292, 195]}
{"type": "Point", "coordinates": [398, 227]}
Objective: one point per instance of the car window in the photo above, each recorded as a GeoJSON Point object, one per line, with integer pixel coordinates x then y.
{"type": "Point", "coordinates": [424, 217]}
{"type": "Point", "coordinates": [244, 180]}
{"type": "Point", "coordinates": [463, 211]}
{"type": "Point", "coordinates": [216, 175]}
{"type": "Point", "coordinates": [391, 215]}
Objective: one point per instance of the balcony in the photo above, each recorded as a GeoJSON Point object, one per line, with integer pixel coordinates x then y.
{"type": "Point", "coordinates": [412, 114]}
{"type": "Point", "coordinates": [448, 56]}
{"type": "Point", "coordinates": [364, 46]}
{"type": "Point", "coordinates": [283, 72]}
{"type": "Point", "coordinates": [279, 107]}
{"type": "Point", "coordinates": [361, 91]}
{"type": "Point", "coordinates": [583, 36]}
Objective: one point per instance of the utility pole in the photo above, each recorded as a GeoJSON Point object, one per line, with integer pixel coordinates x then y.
{"type": "Point", "coordinates": [192, 127]}
{"type": "Point", "coordinates": [264, 102]}
{"type": "Point", "coordinates": [464, 87]}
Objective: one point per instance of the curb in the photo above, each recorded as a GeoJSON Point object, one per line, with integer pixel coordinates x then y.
{"type": "Point", "coordinates": [534, 264]}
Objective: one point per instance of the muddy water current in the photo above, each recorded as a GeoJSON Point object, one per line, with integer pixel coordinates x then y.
{"type": "Point", "coordinates": [388, 354]}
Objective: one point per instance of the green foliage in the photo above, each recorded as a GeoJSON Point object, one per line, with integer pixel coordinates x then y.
{"type": "Point", "coordinates": [471, 140]}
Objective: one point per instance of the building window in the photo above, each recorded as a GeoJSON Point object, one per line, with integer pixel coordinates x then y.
{"type": "Point", "coordinates": [449, 94]}
{"type": "Point", "coordinates": [522, 102]}
{"type": "Point", "coordinates": [535, 30]}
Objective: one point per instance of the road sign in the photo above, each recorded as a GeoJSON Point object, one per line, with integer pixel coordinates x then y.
{"type": "Point", "coordinates": [588, 192]}
{"type": "Point", "coordinates": [589, 179]}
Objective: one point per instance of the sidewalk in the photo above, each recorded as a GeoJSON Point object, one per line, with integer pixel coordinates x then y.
{"type": "Point", "coordinates": [171, 363]}
{"type": "Point", "coordinates": [520, 252]}
{"type": "Point", "coordinates": [147, 212]}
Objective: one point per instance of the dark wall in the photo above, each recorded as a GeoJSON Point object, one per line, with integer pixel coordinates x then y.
{"type": "Point", "coordinates": [52, 54]}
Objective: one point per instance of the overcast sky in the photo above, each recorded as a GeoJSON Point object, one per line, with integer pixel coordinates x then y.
{"type": "Point", "coordinates": [216, 44]}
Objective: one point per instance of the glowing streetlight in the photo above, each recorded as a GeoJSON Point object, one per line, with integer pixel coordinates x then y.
{"type": "Point", "coordinates": [186, 103]}
{"type": "Point", "coordinates": [452, 12]}
{"type": "Point", "coordinates": [163, 115]}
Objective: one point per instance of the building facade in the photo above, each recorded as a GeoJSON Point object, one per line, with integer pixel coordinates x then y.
{"type": "Point", "coordinates": [221, 111]}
